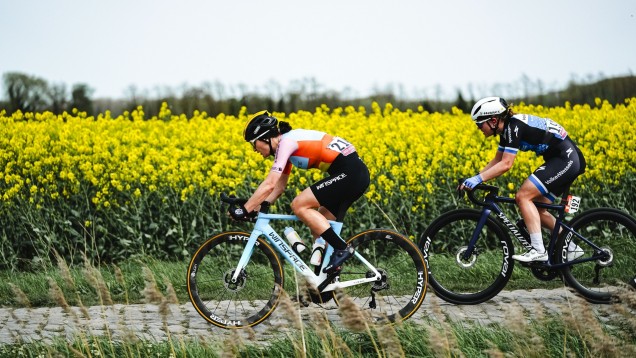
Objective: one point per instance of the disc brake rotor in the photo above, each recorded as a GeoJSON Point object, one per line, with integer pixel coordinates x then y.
{"type": "Point", "coordinates": [234, 286]}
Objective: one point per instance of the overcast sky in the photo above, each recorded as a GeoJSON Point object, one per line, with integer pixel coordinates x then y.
{"type": "Point", "coordinates": [417, 46]}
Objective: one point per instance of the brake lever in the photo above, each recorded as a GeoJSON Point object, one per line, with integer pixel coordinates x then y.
{"type": "Point", "coordinates": [226, 199]}
{"type": "Point", "coordinates": [460, 193]}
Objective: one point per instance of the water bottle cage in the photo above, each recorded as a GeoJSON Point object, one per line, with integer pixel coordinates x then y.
{"type": "Point", "coordinates": [317, 261]}
{"type": "Point", "coordinates": [295, 247]}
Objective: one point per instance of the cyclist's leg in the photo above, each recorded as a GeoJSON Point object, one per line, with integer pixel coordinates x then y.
{"type": "Point", "coordinates": [332, 196]}
{"type": "Point", "coordinates": [348, 179]}
{"type": "Point", "coordinates": [326, 213]}
{"type": "Point", "coordinates": [298, 206]}
{"type": "Point", "coordinates": [546, 184]}
{"type": "Point", "coordinates": [304, 206]}
{"type": "Point", "coordinates": [546, 219]}
{"type": "Point", "coordinates": [530, 213]}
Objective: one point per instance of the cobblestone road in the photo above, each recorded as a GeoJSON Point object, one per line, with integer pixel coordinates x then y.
{"type": "Point", "coordinates": [144, 321]}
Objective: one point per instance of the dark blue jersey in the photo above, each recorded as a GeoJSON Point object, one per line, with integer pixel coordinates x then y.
{"type": "Point", "coordinates": [524, 132]}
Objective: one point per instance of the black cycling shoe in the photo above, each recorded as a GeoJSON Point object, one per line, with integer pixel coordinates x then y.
{"type": "Point", "coordinates": [338, 257]}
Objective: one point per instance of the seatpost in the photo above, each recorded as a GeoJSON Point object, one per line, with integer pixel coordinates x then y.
{"type": "Point", "coordinates": [564, 202]}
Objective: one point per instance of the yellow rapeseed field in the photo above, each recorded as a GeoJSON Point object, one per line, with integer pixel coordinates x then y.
{"type": "Point", "coordinates": [411, 154]}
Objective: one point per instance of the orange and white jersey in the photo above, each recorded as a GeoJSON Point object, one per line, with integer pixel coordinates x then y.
{"type": "Point", "coordinates": [308, 149]}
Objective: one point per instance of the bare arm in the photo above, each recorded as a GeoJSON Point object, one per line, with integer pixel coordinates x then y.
{"type": "Point", "coordinates": [266, 190]}
{"type": "Point", "coordinates": [279, 188]}
{"type": "Point", "coordinates": [494, 161]}
{"type": "Point", "coordinates": [499, 165]}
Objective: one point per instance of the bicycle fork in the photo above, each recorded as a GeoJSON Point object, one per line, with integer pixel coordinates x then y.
{"type": "Point", "coordinates": [245, 257]}
{"type": "Point", "coordinates": [473, 240]}
{"type": "Point", "coordinates": [504, 220]}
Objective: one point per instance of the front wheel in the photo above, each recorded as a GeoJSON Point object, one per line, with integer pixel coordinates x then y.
{"type": "Point", "coordinates": [227, 304]}
{"type": "Point", "coordinates": [456, 278]}
{"type": "Point", "coordinates": [614, 232]}
{"type": "Point", "coordinates": [401, 289]}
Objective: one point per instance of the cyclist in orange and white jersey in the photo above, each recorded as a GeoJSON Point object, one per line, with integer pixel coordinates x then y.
{"type": "Point", "coordinates": [327, 199]}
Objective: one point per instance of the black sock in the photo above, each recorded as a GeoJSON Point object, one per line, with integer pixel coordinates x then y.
{"type": "Point", "coordinates": [333, 239]}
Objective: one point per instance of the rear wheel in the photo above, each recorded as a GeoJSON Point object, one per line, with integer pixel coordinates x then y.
{"type": "Point", "coordinates": [466, 280]}
{"type": "Point", "coordinates": [614, 232]}
{"type": "Point", "coordinates": [401, 289]}
{"type": "Point", "coordinates": [244, 303]}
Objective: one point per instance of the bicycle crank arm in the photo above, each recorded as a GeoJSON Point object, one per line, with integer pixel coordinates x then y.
{"type": "Point", "coordinates": [327, 281]}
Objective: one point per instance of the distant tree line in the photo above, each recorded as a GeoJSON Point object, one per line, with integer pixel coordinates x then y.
{"type": "Point", "coordinates": [33, 94]}
{"type": "Point", "coordinates": [29, 93]}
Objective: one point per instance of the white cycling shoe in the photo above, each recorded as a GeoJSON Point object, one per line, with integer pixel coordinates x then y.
{"type": "Point", "coordinates": [532, 256]}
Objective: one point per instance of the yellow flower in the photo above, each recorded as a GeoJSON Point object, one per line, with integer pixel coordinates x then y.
{"type": "Point", "coordinates": [43, 155]}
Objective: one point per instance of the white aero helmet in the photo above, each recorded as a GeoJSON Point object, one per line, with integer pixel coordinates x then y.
{"type": "Point", "coordinates": [487, 108]}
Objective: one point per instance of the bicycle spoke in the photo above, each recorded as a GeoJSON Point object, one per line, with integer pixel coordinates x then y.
{"type": "Point", "coordinates": [475, 279]}
{"type": "Point", "coordinates": [246, 302]}
{"type": "Point", "coordinates": [395, 296]}
{"type": "Point", "coordinates": [615, 264]}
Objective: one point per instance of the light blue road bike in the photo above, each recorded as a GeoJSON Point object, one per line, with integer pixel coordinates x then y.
{"type": "Point", "coordinates": [235, 278]}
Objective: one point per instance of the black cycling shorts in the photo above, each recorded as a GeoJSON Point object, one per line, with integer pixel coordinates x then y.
{"type": "Point", "coordinates": [563, 164]}
{"type": "Point", "coordinates": [348, 179]}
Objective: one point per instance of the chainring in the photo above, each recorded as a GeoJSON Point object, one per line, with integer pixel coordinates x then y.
{"type": "Point", "coordinates": [545, 274]}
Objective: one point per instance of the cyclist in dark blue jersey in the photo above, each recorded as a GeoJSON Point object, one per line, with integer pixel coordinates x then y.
{"type": "Point", "coordinates": [564, 162]}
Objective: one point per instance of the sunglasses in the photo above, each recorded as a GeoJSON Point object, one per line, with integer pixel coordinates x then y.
{"type": "Point", "coordinates": [481, 124]}
{"type": "Point", "coordinates": [253, 141]}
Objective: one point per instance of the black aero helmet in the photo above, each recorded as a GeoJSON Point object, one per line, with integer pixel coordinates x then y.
{"type": "Point", "coordinates": [262, 125]}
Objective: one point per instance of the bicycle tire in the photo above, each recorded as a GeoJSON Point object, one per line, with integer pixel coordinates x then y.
{"type": "Point", "coordinates": [245, 303]}
{"type": "Point", "coordinates": [402, 289]}
{"type": "Point", "coordinates": [615, 232]}
{"type": "Point", "coordinates": [480, 278]}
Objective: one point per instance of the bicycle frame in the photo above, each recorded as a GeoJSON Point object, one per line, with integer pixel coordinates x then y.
{"type": "Point", "coordinates": [490, 205]}
{"type": "Point", "coordinates": [262, 227]}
